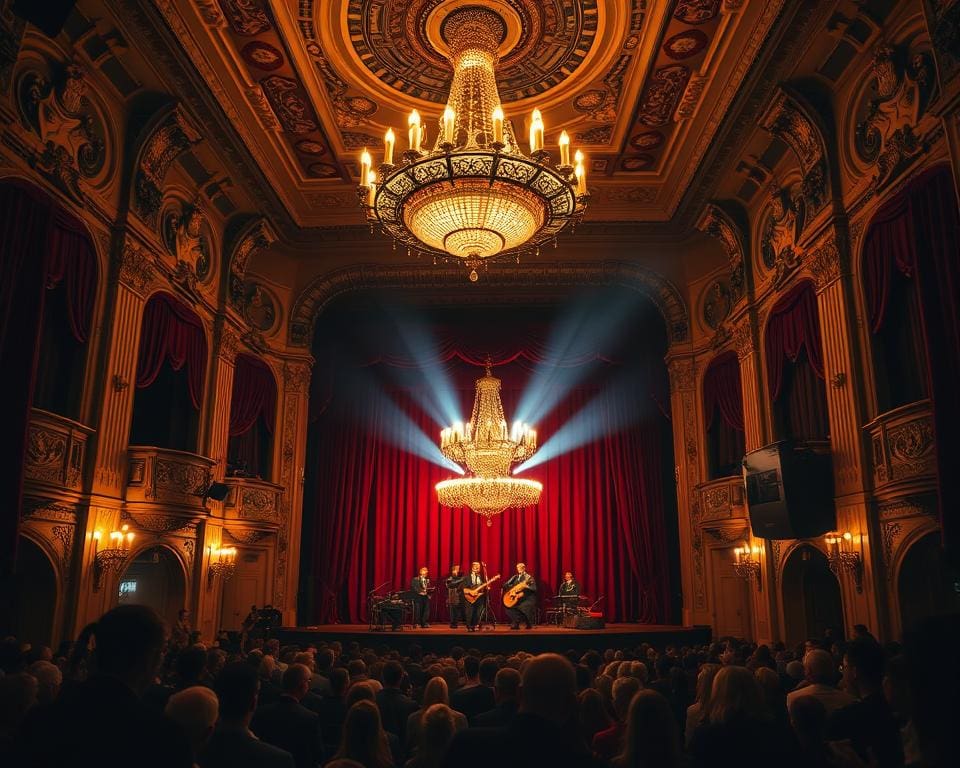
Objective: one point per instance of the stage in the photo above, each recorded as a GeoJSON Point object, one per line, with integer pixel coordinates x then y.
{"type": "Point", "coordinates": [440, 638]}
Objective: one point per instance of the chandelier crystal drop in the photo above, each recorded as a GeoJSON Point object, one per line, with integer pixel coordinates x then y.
{"type": "Point", "coordinates": [474, 196]}
{"type": "Point", "coordinates": [487, 449]}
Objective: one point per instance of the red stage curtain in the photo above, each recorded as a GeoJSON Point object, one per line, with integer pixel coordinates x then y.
{"type": "Point", "coordinates": [254, 395]}
{"type": "Point", "coordinates": [723, 414]}
{"type": "Point", "coordinates": [602, 513]}
{"type": "Point", "coordinates": [918, 233]}
{"type": "Point", "coordinates": [72, 260]}
{"type": "Point", "coordinates": [794, 324]}
{"type": "Point", "coordinates": [172, 333]}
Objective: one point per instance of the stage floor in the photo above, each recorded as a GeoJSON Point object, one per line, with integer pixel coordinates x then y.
{"type": "Point", "coordinates": [439, 637]}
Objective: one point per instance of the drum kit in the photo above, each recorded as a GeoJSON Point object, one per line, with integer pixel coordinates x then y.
{"type": "Point", "coordinates": [392, 608]}
{"type": "Point", "coordinates": [564, 608]}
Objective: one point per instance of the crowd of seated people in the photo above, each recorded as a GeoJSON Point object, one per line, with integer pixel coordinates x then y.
{"type": "Point", "coordinates": [122, 694]}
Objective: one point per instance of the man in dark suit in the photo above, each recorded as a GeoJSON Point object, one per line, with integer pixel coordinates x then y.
{"type": "Point", "coordinates": [524, 610]}
{"type": "Point", "coordinates": [474, 696]}
{"type": "Point", "coordinates": [232, 743]}
{"type": "Point", "coordinates": [421, 586]}
{"type": "Point", "coordinates": [129, 646]}
{"type": "Point", "coordinates": [288, 724]}
{"type": "Point", "coordinates": [540, 734]}
{"type": "Point", "coordinates": [475, 611]}
{"type": "Point", "coordinates": [332, 708]}
{"type": "Point", "coordinates": [394, 706]}
{"type": "Point", "coordinates": [506, 693]}
{"type": "Point", "coordinates": [455, 583]}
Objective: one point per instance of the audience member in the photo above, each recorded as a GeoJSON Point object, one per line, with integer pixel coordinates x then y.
{"type": "Point", "coordinates": [395, 707]}
{"type": "Point", "coordinates": [652, 737]}
{"type": "Point", "coordinates": [474, 696]}
{"type": "Point", "coordinates": [289, 725]}
{"type": "Point", "coordinates": [364, 739]}
{"type": "Point", "coordinates": [195, 710]}
{"type": "Point", "coordinates": [821, 682]}
{"type": "Point", "coordinates": [435, 692]}
{"type": "Point", "coordinates": [436, 730]}
{"type": "Point", "coordinates": [506, 694]}
{"type": "Point", "coordinates": [609, 743]}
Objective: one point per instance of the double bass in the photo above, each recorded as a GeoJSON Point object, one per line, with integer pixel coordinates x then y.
{"type": "Point", "coordinates": [472, 594]}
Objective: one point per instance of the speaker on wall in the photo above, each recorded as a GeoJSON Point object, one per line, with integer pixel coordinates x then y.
{"type": "Point", "coordinates": [48, 16]}
{"type": "Point", "coordinates": [789, 491]}
{"type": "Point", "coordinates": [218, 491]}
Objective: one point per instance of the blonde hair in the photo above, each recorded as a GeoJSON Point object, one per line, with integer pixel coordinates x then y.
{"type": "Point", "coordinates": [735, 694]}
{"type": "Point", "coordinates": [436, 691]}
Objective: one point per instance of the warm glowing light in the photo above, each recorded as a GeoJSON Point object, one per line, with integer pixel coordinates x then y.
{"type": "Point", "coordinates": [564, 143]}
{"type": "Point", "coordinates": [415, 134]}
{"type": "Point", "coordinates": [536, 131]}
{"type": "Point", "coordinates": [365, 163]}
{"type": "Point", "coordinates": [388, 142]}
{"type": "Point", "coordinates": [498, 125]}
{"type": "Point", "coordinates": [448, 121]}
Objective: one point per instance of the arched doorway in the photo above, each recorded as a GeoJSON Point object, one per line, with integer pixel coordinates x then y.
{"type": "Point", "coordinates": [35, 587]}
{"type": "Point", "coordinates": [925, 585]}
{"type": "Point", "coordinates": [155, 578]}
{"type": "Point", "coordinates": [811, 596]}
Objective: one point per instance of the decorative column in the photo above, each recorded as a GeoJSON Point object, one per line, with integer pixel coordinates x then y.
{"type": "Point", "coordinates": [683, 409]}
{"type": "Point", "coordinates": [209, 534]}
{"type": "Point", "coordinates": [293, 435]}
{"type": "Point", "coordinates": [845, 405]}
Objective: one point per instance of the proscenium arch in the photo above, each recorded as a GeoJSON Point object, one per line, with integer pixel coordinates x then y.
{"type": "Point", "coordinates": [323, 289]}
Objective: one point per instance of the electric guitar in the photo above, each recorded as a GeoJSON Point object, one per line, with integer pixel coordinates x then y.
{"type": "Point", "coordinates": [472, 594]}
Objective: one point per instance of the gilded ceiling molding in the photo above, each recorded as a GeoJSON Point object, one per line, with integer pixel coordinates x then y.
{"type": "Point", "coordinates": [778, 247]}
{"type": "Point", "coordinates": [166, 137]}
{"type": "Point", "coordinates": [254, 237]}
{"type": "Point", "coordinates": [538, 275]}
{"type": "Point", "coordinates": [794, 122]}
{"type": "Point", "coordinates": [716, 222]}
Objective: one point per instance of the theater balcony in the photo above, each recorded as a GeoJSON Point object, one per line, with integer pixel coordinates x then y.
{"type": "Point", "coordinates": [166, 489]}
{"type": "Point", "coordinates": [903, 451]}
{"type": "Point", "coordinates": [55, 453]}
{"type": "Point", "coordinates": [252, 508]}
{"type": "Point", "coordinates": [721, 508]}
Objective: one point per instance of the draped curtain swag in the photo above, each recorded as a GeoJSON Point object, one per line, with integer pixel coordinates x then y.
{"type": "Point", "coordinates": [794, 325]}
{"type": "Point", "coordinates": [172, 333]}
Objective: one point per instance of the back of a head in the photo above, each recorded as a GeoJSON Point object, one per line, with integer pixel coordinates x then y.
{"type": "Point", "coordinates": [471, 666]}
{"type": "Point", "coordinates": [305, 658]}
{"type": "Point", "coordinates": [809, 719]}
{"type": "Point", "coordinates": [190, 664]}
{"type": "Point", "coordinates": [549, 688]}
{"type": "Point", "coordinates": [653, 736]}
{"type": "Point", "coordinates": [488, 670]}
{"type": "Point", "coordinates": [18, 693]}
{"type": "Point", "coordinates": [339, 680]}
{"type": "Point", "coordinates": [795, 670]}
{"type": "Point", "coordinates": [436, 692]}
{"type": "Point", "coordinates": [49, 677]}
{"type": "Point", "coordinates": [362, 732]}
{"type": "Point", "coordinates": [195, 709]}
{"type": "Point", "coordinates": [624, 689]}
{"type": "Point", "coordinates": [237, 686]}
{"type": "Point", "coordinates": [361, 691]}
{"type": "Point", "coordinates": [128, 642]}
{"type": "Point", "coordinates": [735, 695]}
{"type": "Point", "coordinates": [295, 678]}
{"type": "Point", "coordinates": [818, 667]}
{"type": "Point", "coordinates": [356, 668]}
{"type": "Point", "coordinates": [506, 684]}
{"type": "Point", "coordinates": [769, 685]}
{"type": "Point", "coordinates": [865, 655]}
{"type": "Point", "coordinates": [392, 674]}
{"type": "Point", "coordinates": [436, 728]}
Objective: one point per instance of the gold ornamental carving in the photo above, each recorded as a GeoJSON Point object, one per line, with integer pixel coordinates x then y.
{"type": "Point", "coordinates": [744, 339]}
{"type": "Point", "coordinates": [188, 479]}
{"type": "Point", "coordinates": [825, 264]}
{"type": "Point", "coordinates": [136, 267]}
{"type": "Point", "coordinates": [296, 377]}
{"type": "Point", "coordinates": [173, 135]}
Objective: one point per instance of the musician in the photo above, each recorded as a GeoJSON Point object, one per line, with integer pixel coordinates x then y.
{"type": "Point", "coordinates": [525, 607]}
{"type": "Point", "coordinates": [475, 611]}
{"type": "Point", "coordinates": [569, 592]}
{"type": "Point", "coordinates": [455, 583]}
{"type": "Point", "coordinates": [421, 586]}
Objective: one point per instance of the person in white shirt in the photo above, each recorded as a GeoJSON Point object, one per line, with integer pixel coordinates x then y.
{"type": "Point", "coordinates": [820, 675]}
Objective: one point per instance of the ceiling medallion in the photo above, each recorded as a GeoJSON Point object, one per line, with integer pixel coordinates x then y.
{"type": "Point", "coordinates": [475, 196]}
{"type": "Point", "coordinates": [485, 447]}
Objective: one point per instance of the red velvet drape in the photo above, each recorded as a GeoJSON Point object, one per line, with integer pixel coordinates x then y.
{"type": "Point", "coordinates": [602, 512]}
{"type": "Point", "coordinates": [794, 324]}
{"type": "Point", "coordinates": [918, 233]}
{"type": "Point", "coordinates": [722, 390]}
{"type": "Point", "coordinates": [171, 332]}
{"type": "Point", "coordinates": [254, 395]}
{"type": "Point", "coordinates": [72, 259]}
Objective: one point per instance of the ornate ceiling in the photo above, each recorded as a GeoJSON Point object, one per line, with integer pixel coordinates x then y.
{"type": "Point", "coordinates": [642, 85]}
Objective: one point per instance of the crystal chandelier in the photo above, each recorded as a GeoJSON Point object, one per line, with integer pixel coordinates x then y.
{"type": "Point", "coordinates": [485, 447]}
{"type": "Point", "coordinates": [474, 196]}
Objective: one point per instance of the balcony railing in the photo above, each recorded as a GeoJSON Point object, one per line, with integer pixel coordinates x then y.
{"type": "Point", "coordinates": [903, 448]}
{"type": "Point", "coordinates": [722, 499]}
{"type": "Point", "coordinates": [167, 477]}
{"type": "Point", "coordinates": [252, 501]}
{"type": "Point", "coordinates": [56, 449]}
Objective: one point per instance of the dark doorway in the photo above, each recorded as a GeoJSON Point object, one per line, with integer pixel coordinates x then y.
{"type": "Point", "coordinates": [35, 585]}
{"type": "Point", "coordinates": [155, 578]}
{"type": "Point", "coordinates": [811, 596]}
{"type": "Point", "coordinates": [926, 586]}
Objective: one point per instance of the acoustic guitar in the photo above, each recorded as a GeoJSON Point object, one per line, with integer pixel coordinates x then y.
{"type": "Point", "coordinates": [472, 594]}
{"type": "Point", "coordinates": [512, 596]}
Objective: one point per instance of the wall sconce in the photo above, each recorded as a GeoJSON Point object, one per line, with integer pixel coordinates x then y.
{"type": "Point", "coordinates": [223, 563]}
{"type": "Point", "coordinates": [747, 565]}
{"type": "Point", "coordinates": [112, 557]}
{"type": "Point", "coordinates": [842, 556]}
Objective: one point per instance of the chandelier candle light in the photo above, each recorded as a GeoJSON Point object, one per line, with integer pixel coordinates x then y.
{"type": "Point", "coordinates": [487, 449]}
{"type": "Point", "coordinates": [475, 196]}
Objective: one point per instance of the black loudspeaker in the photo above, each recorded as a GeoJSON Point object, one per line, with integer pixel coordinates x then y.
{"type": "Point", "coordinates": [48, 16]}
{"type": "Point", "coordinates": [789, 491]}
{"type": "Point", "coordinates": [218, 491]}
{"type": "Point", "coordinates": [581, 621]}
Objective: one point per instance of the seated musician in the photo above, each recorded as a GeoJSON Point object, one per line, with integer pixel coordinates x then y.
{"type": "Point", "coordinates": [475, 611]}
{"type": "Point", "coordinates": [420, 586]}
{"type": "Point", "coordinates": [527, 604]}
{"type": "Point", "coordinates": [569, 592]}
{"type": "Point", "coordinates": [455, 583]}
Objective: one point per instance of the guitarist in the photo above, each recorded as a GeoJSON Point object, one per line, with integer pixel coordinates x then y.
{"type": "Point", "coordinates": [525, 607]}
{"type": "Point", "coordinates": [475, 611]}
{"type": "Point", "coordinates": [455, 583]}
